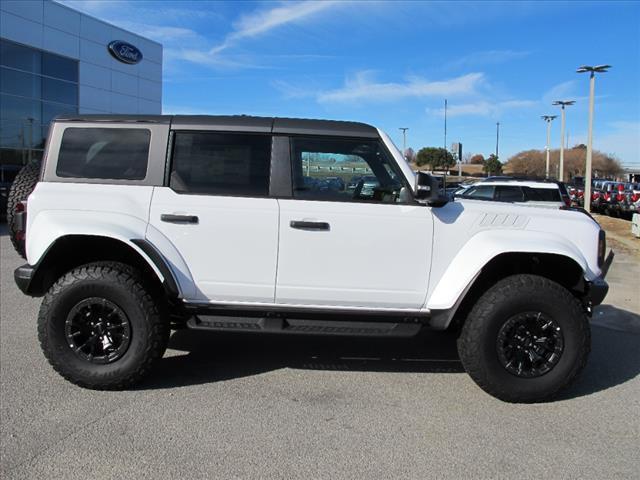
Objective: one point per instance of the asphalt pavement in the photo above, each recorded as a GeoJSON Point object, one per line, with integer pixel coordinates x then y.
{"type": "Point", "coordinates": [242, 406]}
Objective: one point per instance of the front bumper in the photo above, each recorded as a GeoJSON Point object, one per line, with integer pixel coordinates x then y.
{"type": "Point", "coordinates": [597, 289]}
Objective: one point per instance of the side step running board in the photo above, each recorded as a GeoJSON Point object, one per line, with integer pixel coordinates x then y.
{"type": "Point", "coordinates": [306, 327]}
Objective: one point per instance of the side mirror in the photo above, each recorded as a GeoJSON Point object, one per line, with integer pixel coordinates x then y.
{"type": "Point", "coordinates": [427, 190]}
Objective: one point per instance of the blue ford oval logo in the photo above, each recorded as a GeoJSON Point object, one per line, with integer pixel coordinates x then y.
{"type": "Point", "coordinates": [125, 52]}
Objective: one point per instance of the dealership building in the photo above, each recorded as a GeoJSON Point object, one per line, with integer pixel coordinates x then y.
{"type": "Point", "coordinates": [55, 60]}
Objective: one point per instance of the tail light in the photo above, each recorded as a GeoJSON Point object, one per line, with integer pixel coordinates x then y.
{"type": "Point", "coordinates": [619, 197]}
{"type": "Point", "coordinates": [581, 194]}
{"type": "Point", "coordinates": [635, 197]}
{"type": "Point", "coordinates": [567, 201]}
{"type": "Point", "coordinates": [20, 221]}
{"type": "Point", "coordinates": [607, 196]}
{"type": "Point", "coordinates": [595, 196]}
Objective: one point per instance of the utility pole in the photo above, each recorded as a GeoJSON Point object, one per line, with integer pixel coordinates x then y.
{"type": "Point", "coordinates": [592, 89]}
{"type": "Point", "coordinates": [497, 137]}
{"type": "Point", "coordinates": [445, 124]}
{"type": "Point", "coordinates": [562, 103]}
{"type": "Point", "coordinates": [444, 181]}
{"type": "Point", "coordinates": [548, 119]}
{"type": "Point", "coordinates": [404, 139]}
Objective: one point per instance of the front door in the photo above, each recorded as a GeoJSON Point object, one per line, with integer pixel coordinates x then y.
{"type": "Point", "coordinates": [349, 237]}
{"type": "Point", "coordinates": [217, 212]}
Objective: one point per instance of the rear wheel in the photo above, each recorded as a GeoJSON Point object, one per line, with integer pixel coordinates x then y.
{"type": "Point", "coordinates": [526, 339]}
{"type": "Point", "coordinates": [21, 188]}
{"type": "Point", "coordinates": [100, 328]}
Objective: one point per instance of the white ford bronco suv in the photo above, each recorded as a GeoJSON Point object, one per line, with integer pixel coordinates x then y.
{"type": "Point", "coordinates": [138, 225]}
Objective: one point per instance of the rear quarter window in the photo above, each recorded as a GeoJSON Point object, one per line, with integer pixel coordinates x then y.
{"type": "Point", "coordinates": [543, 194]}
{"type": "Point", "coordinates": [104, 153]}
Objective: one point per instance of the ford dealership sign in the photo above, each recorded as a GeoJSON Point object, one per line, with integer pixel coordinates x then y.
{"type": "Point", "coordinates": [125, 52]}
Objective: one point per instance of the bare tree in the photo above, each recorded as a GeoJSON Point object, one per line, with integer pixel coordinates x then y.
{"type": "Point", "coordinates": [477, 159]}
{"type": "Point", "coordinates": [532, 163]}
{"type": "Point", "coordinates": [410, 155]}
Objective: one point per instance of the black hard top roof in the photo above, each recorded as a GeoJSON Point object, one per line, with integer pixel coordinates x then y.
{"type": "Point", "coordinates": [244, 123]}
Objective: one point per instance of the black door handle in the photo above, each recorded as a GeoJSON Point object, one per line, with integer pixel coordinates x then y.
{"type": "Point", "coordinates": [171, 218]}
{"type": "Point", "coordinates": [303, 225]}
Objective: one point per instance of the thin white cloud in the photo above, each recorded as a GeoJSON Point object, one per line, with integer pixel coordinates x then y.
{"type": "Point", "coordinates": [487, 57]}
{"type": "Point", "coordinates": [362, 87]}
{"type": "Point", "coordinates": [561, 91]}
{"type": "Point", "coordinates": [261, 22]}
{"type": "Point", "coordinates": [483, 108]}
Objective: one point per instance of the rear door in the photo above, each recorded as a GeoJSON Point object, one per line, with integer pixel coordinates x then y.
{"type": "Point", "coordinates": [356, 241]}
{"type": "Point", "coordinates": [217, 212]}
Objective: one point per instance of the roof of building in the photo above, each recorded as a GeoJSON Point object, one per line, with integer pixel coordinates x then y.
{"type": "Point", "coordinates": [244, 123]}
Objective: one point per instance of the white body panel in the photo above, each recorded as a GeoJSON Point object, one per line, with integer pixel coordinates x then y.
{"type": "Point", "coordinates": [231, 252]}
{"type": "Point", "coordinates": [59, 209]}
{"type": "Point", "coordinates": [469, 233]}
{"type": "Point", "coordinates": [373, 256]}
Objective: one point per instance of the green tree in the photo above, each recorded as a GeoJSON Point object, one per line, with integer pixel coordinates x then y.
{"type": "Point", "coordinates": [492, 165]}
{"type": "Point", "coordinates": [436, 158]}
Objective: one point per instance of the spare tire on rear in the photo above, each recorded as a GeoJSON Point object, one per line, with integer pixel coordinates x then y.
{"type": "Point", "coordinates": [21, 188]}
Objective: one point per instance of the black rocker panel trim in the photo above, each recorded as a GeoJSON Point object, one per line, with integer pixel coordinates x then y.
{"type": "Point", "coordinates": [285, 311]}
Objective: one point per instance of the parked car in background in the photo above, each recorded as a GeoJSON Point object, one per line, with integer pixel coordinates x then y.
{"type": "Point", "coordinates": [543, 194]}
{"type": "Point", "coordinates": [628, 200]}
{"type": "Point", "coordinates": [335, 183]}
{"type": "Point", "coordinates": [611, 196]}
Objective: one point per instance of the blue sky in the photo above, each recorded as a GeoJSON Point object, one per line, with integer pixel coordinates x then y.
{"type": "Point", "coordinates": [393, 64]}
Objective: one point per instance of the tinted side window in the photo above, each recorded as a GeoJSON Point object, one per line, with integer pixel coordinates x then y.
{"type": "Point", "coordinates": [104, 153]}
{"type": "Point", "coordinates": [543, 194]}
{"type": "Point", "coordinates": [509, 194]}
{"type": "Point", "coordinates": [343, 170]}
{"type": "Point", "coordinates": [221, 163]}
{"type": "Point", "coordinates": [481, 191]}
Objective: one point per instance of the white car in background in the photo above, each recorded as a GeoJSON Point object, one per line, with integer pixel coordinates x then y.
{"type": "Point", "coordinates": [532, 193]}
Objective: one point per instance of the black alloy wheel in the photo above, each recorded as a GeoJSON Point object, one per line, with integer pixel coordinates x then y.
{"type": "Point", "coordinates": [97, 330]}
{"type": "Point", "coordinates": [529, 344]}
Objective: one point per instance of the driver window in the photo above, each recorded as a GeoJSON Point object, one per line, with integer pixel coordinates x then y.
{"type": "Point", "coordinates": [343, 170]}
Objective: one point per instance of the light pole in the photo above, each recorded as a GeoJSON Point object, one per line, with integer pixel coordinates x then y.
{"type": "Point", "coordinates": [404, 140]}
{"type": "Point", "coordinates": [592, 89]}
{"type": "Point", "coordinates": [548, 119]}
{"type": "Point", "coordinates": [562, 103]}
{"type": "Point", "coordinates": [497, 137]}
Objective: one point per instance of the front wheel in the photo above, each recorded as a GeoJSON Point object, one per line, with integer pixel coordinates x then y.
{"type": "Point", "coordinates": [526, 339]}
{"type": "Point", "coordinates": [100, 329]}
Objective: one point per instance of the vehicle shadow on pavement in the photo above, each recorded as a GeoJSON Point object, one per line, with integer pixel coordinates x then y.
{"type": "Point", "coordinates": [615, 352]}
{"type": "Point", "coordinates": [213, 356]}
{"type": "Point", "coordinates": [197, 357]}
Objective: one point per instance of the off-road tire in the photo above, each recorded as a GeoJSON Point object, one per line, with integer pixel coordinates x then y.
{"type": "Point", "coordinates": [21, 188]}
{"type": "Point", "coordinates": [121, 285]}
{"type": "Point", "coordinates": [477, 343]}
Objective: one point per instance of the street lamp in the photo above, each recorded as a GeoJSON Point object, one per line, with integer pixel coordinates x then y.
{"type": "Point", "coordinates": [548, 119]}
{"type": "Point", "coordinates": [404, 139]}
{"type": "Point", "coordinates": [562, 103]}
{"type": "Point", "coordinates": [592, 89]}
